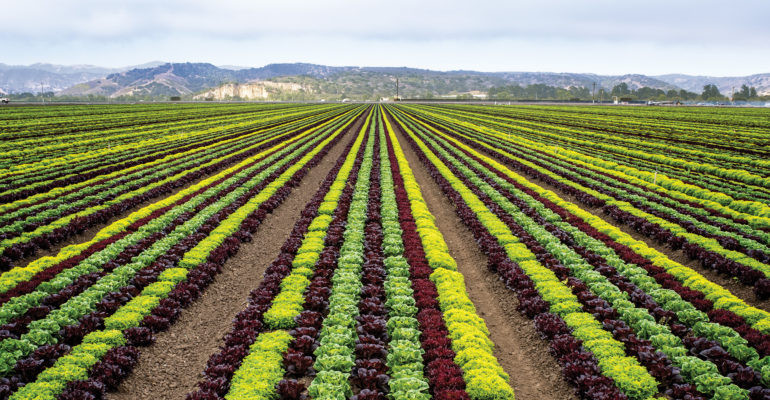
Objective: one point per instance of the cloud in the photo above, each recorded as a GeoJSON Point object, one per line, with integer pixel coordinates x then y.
{"type": "Point", "coordinates": [397, 19]}
{"type": "Point", "coordinates": [571, 27]}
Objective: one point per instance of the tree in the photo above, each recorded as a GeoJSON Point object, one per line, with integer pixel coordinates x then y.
{"type": "Point", "coordinates": [711, 92]}
{"type": "Point", "coordinates": [753, 93]}
{"type": "Point", "coordinates": [744, 91]}
{"type": "Point", "coordinates": [621, 89]}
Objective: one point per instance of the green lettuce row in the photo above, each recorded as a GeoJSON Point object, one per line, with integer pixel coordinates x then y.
{"type": "Point", "coordinates": [42, 332]}
{"type": "Point", "coordinates": [484, 377]}
{"type": "Point", "coordinates": [638, 318]}
{"type": "Point", "coordinates": [404, 361]}
{"type": "Point", "coordinates": [335, 356]}
{"type": "Point", "coordinates": [288, 303]}
{"type": "Point", "coordinates": [18, 305]}
{"type": "Point", "coordinates": [53, 380]}
{"type": "Point", "coordinates": [628, 374]}
{"type": "Point", "coordinates": [261, 369]}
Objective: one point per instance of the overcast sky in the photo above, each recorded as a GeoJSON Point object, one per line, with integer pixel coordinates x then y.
{"type": "Point", "coordinates": [719, 38]}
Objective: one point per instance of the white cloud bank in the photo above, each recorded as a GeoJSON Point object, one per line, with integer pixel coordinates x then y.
{"type": "Point", "coordinates": [651, 37]}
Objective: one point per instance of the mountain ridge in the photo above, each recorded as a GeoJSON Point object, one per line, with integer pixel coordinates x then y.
{"type": "Point", "coordinates": [159, 79]}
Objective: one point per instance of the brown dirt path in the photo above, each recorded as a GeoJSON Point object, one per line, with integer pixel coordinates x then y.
{"type": "Point", "coordinates": [535, 375]}
{"type": "Point", "coordinates": [172, 366]}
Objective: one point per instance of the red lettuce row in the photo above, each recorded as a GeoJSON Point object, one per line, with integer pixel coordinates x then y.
{"type": "Point", "coordinates": [57, 180]}
{"type": "Point", "coordinates": [444, 375]}
{"type": "Point", "coordinates": [709, 259]}
{"type": "Point", "coordinates": [79, 224]}
{"type": "Point", "coordinates": [370, 376]}
{"type": "Point", "coordinates": [133, 251]}
{"type": "Point", "coordinates": [578, 365]}
{"type": "Point", "coordinates": [248, 323]}
{"type": "Point", "coordinates": [201, 275]}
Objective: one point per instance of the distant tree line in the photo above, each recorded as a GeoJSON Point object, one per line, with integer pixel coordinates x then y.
{"type": "Point", "coordinates": [621, 90]}
{"type": "Point", "coordinates": [747, 94]}
{"type": "Point", "coordinates": [357, 88]}
{"type": "Point", "coordinates": [538, 91]}
{"type": "Point", "coordinates": [624, 93]}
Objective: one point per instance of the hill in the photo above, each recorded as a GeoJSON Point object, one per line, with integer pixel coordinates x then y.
{"type": "Point", "coordinates": [180, 79]}
{"type": "Point", "coordinates": [315, 82]}
{"type": "Point", "coordinates": [53, 78]}
{"type": "Point", "coordinates": [189, 79]}
{"type": "Point", "coordinates": [725, 84]}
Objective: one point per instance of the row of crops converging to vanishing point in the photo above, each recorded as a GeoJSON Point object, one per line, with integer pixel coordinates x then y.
{"type": "Point", "coordinates": [372, 252]}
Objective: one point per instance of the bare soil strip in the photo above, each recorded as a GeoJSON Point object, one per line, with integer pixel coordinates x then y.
{"type": "Point", "coordinates": [172, 366]}
{"type": "Point", "coordinates": [534, 373]}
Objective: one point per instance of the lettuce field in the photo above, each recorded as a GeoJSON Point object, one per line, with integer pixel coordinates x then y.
{"type": "Point", "coordinates": [384, 252]}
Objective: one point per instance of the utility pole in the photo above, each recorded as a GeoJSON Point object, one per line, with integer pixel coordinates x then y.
{"type": "Point", "coordinates": [397, 96]}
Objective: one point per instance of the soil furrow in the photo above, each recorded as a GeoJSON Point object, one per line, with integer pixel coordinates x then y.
{"type": "Point", "coordinates": [172, 366]}
{"type": "Point", "coordinates": [523, 355]}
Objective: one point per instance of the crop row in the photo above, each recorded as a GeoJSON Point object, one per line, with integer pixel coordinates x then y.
{"type": "Point", "coordinates": [39, 221]}
{"type": "Point", "coordinates": [40, 135]}
{"type": "Point", "coordinates": [732, 242]}
{"type": "Point", "coordinates": [28, 177]}
{"type": "Point", "coordinates": [738, 179]}
{"type": "Point", "coordinates": [364, 298]}
{"type": "Point", "coordinates": [77, 328]}
{"type": "Point", "coordinates": [623, 320]}
{"type": "Point", "coordinates": [698, 145]}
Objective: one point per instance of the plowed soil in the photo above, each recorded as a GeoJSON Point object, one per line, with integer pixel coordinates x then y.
{"type": "Point", "coordinates": [535, 375]}
{"type": "Point", "coordinates": [172, 366]}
